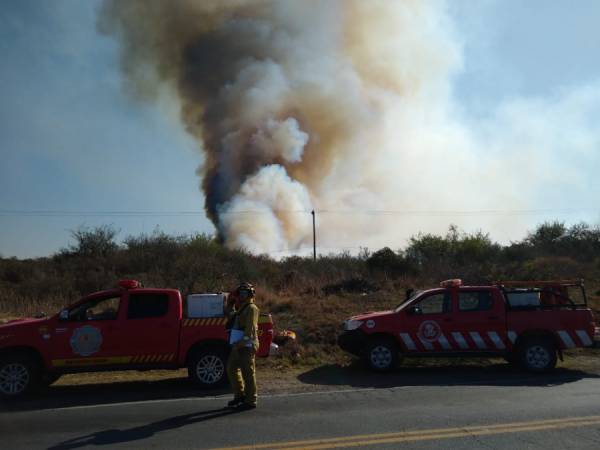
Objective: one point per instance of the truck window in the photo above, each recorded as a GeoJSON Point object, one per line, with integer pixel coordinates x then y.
{"type": "Point", "coordinates": [435, 304]}
{"type": "Point", "coordinates": [523, 299]}
{"type": "Point", "coordinates": [475, 301]}
{"type": "Point", "coordinates": [144, 306]}
{"type": "Point", "coordinates": [97, 309]}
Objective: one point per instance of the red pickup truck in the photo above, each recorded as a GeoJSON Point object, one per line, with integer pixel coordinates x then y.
{"type": "Point", "coordinates": [528, 322]}
{"type": "Point", "coordinates": [125, 328]}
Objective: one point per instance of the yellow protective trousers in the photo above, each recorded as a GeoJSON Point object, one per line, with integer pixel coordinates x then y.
{"type": "Point", "coordinates": [241, 371]}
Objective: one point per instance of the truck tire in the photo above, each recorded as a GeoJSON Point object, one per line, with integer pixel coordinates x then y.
{"type": "Point", "coordinates": [207, 367]}
{"type": "Point", "coordinates": [19, 374]}
{"type": "Point", "coordinates": [537, 354]}
{"type": "Point", "coordinates": [381, 355]}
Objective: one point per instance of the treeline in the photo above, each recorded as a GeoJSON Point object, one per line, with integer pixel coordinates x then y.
{"type": "Point", "coordinates": [95, 260]}
{"type": "Point", "coordinates": [552, 249]}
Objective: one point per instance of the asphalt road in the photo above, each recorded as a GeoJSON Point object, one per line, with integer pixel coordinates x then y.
{"type": "Point", "coordinates": [471, 410]}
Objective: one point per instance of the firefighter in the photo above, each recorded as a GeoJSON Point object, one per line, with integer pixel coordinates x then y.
{"type": "Point", "coordinates": [241, 368]}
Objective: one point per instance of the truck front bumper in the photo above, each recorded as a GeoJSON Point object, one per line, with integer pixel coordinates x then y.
{"type": "Point", "coordinates": [352, 341]}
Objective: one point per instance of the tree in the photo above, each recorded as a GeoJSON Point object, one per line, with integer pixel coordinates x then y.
{"type": "Point", "coordinates": [389, 262]}
{"type": "Point", "coordinates": [547, 236]}
{"type": "Point", "coordinates": [94, 242]}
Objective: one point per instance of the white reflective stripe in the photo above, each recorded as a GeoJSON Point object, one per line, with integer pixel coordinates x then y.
{"type": "Point", "coordinates": [477, 338]}
{"type": "Point", "coordinates": [408, 341]}
{"type": "Point", "coordinates": [426, 344]}
{"type": "Point", "coordinates": [512, 336]}
{"type": "Point", "coordinates": [460, 340]}
{"type": "Point", "coordinates": [496, 340]}
{"type": "Point", "coordinates": [444, 342]}
{"type": "Point", "coordinates": [566, 339]}
{"type": "Point", "coordinates": [585, 338]}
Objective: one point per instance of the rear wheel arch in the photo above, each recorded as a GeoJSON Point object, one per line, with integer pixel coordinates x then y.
{"type": "Point", "coordinates": [204, 345]}
{"type": "Point", "coordinates": [537, 334]}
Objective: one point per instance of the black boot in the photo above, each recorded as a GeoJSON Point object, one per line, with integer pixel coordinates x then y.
{"type": "Point", "coordinates": [235, 402]}
{"type": "Point", "coordinates": [246, 406]}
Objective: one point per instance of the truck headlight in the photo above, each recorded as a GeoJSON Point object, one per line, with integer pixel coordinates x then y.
{"type": "Point", "coordinates": [350, 325]}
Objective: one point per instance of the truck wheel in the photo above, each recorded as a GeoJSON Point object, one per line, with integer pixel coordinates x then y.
{"type": "Point", "coordinates": [206, 367]}
{"type": "Point", "coordinates": [381, 355]}
{"type": "Point", "coordinates": [19, 374]}
{"type": "Point", "coordinates": [538, 355]}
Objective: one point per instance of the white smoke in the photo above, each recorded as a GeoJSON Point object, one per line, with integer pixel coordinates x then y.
{"type": "Point", "coordinates": [280, 139]}
{"type": "Point", "coordinates": [267, 212]}
{"type": "Point", "coordinates": [345, 106]}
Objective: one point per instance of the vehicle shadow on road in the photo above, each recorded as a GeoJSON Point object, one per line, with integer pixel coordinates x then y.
{"type": "Point", "coordinates": [499, 374]}
{"type": "Point", "coordinates": [116, 436]}
{"type": "Point", "coordinates": [107, 393]}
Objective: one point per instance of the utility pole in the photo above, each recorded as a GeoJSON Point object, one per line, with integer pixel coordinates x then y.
{"type": "Point", "coordinates": [314, 236]}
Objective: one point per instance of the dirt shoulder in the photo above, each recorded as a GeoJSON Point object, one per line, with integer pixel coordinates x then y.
{"type": "Point", "coordinates": [274, 377]}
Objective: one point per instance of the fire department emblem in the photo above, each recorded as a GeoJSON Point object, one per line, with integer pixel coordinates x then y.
{"type": "Point", "coordinates": [429, 331]}
{"type": "Point", "coordinates": [86, 340]}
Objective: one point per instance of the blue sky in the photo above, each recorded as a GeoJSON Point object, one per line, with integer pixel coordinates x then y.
{"type": "Point", "coordinates": [525, 48]}
{"type": "Point", "coordinates": [70, 140]}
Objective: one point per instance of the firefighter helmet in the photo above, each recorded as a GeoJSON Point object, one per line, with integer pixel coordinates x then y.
{"type": "Point", "coordinates": [245, 290]}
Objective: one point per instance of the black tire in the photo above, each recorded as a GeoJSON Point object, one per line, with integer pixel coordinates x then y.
{"type": "Point", "coordinates": [19, 375]}
{"type": "Point", "coordinates": [381, 355]}
{"type": "Point", "coordinates": [207, 367]}
{"type": "Point", "coordinates": [537, 355]}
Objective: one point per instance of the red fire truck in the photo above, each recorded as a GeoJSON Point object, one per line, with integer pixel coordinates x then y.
{"type": "Point", "coordinates": [126, 328]}
{"type": "Point", "coordinates": [529, 322]}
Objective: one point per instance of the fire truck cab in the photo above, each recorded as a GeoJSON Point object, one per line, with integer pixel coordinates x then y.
{"type": "Point", "coordinates": [529, 322]}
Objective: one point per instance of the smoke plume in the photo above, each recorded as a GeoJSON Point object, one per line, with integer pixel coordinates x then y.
{"type": "Point", "coordinates": [344, 106]}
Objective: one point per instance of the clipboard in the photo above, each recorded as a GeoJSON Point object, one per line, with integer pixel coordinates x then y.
{"type": "Point", "coordinates": [236, 336]}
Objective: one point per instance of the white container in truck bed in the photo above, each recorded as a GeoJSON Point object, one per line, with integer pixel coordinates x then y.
{"type": "Point", "coordinates": [200, 306]}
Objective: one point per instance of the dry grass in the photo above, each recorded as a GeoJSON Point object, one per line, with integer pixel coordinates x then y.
{"type": "Point", "coordinates": [316, 318]}
{"type": "Point", "coordinates": [309, 297]}
{"type": "Point", "coordinates": [119, 376]}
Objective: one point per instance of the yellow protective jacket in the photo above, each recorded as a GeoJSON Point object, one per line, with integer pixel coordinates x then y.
{"type": "Point", "coordinates": [247, 320]}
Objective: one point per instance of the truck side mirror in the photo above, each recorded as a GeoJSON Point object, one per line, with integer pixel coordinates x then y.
{"type": "Point", "coordinates": [64, 314]}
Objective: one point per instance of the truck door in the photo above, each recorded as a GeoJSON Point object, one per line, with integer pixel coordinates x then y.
{"type": "Point", "coordinates": [426, 322]}
{"type": "Point", "coordinates": [89, 335]}
{"type": "Point", "coordinates": [479, 321]}
{"type": "Point", "coordinates": [152, 324]}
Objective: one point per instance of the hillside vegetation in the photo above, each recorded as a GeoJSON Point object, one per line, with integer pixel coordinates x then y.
{"type": "Point", "coordinates": [310, 297]}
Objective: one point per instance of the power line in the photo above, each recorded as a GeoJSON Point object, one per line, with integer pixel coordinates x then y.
{"type": "Point", "coordinates": [70, 213]}
{"type": "Point", "coordinates": [480, 212]}
{"type": "Point", "coordinates": [73, 213]}
{"type": "Point", "coordinates": [421, 213]}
